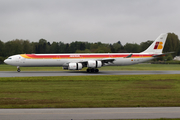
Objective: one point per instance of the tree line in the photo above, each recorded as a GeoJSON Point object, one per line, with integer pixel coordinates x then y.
{"type": "Point", "coordinates": [18, 46]}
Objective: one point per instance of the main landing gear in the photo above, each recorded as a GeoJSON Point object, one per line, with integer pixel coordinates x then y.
{"type": "Point", "coordinates": [18, 69]}
{"type": "Point", "coordinates": [92, 70]}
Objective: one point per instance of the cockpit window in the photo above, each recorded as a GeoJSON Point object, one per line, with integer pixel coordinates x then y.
{"type": "Point", "coordinates": [9, 58]}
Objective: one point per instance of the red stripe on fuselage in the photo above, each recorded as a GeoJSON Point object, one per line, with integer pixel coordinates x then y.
{"type": "Point", "coordinates": [36, 56]}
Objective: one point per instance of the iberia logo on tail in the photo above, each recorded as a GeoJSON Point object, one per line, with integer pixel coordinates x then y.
{"type": "Point", "coordinates": [158, 45]}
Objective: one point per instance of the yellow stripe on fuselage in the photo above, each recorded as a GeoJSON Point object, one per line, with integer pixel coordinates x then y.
{"type": "Point", "coordinates": [25, 56]}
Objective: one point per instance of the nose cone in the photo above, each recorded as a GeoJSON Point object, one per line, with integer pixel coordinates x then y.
{"type": "Point", "coordinates": [5, 61]}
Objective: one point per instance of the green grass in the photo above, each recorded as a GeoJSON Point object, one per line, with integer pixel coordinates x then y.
{"type": "Point", "coordinates": [144, 66]}
{"type": "Point", "coordinates": [90, 91]}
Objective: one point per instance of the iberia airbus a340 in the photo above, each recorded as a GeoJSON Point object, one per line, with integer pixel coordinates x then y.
{"type": "Point", "coordinates": [92, 61]}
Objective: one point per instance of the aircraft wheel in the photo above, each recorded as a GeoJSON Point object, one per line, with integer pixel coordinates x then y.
{"type": "Point", "coordinates": [88, 70]}
{"type": "Point", "coordinates": [92, 70]}
{"type": "Point", "coordinates": [18, 70]}
{"type": "Point", "coordinates": [96, 70]}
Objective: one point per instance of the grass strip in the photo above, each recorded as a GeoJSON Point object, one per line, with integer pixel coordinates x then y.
{"type": "Point", "coordinates": [90, 91]}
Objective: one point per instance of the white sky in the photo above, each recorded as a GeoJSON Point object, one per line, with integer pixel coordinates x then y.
{"type": "Point", "coordinates": [106, 21]}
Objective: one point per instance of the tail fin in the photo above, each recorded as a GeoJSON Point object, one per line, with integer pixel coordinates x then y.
{"type": "Point", "coordinates": [157, 46]}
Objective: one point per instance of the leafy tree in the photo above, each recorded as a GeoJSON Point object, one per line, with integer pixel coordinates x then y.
{"type": "Point", "coordinates": [42, 46]}
{"type": "Point", "coordinates": [76, 46]}
{"type": "Point", "coordinates": [67, 48]}
{"type": "Point", "coordinates": [93, 47]}
{"type": "Point", "coordinates": [145, 45]}
{"type": "Point", "coordinates": [83, 51]}
{"type": "Point", "coordinates": [1, 48]}
{"type": "Point", "coordinates": [132, 48]}
{"type": "Point", "coordinates": [169, 57]}
{"type": "Point", "coordinates": [27, 47]}
{"type": "Point", "coordinates": [82, 46]}
{"type": "Point", "coordinates": [172, 44]}
{"type": "Point", "coordinates": [54, 47]}
{"type": "Point", "coordinates": [116, 47]}
{"type": "Point", "coordinates": [103, 49]}
{"type": "Point", "coordinates": [62, 47]}
{"type": "Point", "coordinates": [14, 47]}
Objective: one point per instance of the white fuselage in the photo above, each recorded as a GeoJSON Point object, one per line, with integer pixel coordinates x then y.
{"type": "Point", "coordinates": [21, 61]}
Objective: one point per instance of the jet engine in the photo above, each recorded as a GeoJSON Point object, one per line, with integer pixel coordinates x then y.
{"type": "Point", "coordinates": [94, 64]}
{"type": "Point", "coordinates": [73, 66]}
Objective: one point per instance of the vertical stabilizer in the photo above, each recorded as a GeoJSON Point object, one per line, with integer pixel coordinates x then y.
{"type": "Point", "coordinates": [157, 46]}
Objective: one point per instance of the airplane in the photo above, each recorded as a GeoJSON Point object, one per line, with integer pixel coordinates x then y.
{"type": "Point", "coordinates": [92, 61]}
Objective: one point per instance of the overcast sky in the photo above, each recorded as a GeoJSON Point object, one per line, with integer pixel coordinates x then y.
{"type": "Point", "coordinates": [106, 21]}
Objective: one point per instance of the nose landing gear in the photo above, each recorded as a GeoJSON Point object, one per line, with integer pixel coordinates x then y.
{"type": "Point", "coordinates": [18, 69]}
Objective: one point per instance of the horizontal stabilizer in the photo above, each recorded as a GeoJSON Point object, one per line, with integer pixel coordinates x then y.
{"type": "Point", "coordinates": [163, 54]}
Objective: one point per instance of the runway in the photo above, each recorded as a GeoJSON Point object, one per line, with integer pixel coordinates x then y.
{"type": "Point", "coordinates": [90, 113]}
{"type": "Point", "coordinates": [79, 73]}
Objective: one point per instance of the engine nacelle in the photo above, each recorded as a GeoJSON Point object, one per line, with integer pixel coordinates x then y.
{"type": "Point", "coordinates": [94, 64]}
{"type": "Point", "coordinates": [75, 66]}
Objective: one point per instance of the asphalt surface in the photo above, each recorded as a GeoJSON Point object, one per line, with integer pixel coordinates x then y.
{"type": "Point", "coordinates": [90, 113]}
{"type": "Point", "coordinates": [78, 73]}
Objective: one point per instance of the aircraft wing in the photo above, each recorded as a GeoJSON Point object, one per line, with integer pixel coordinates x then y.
{"type": "Point", "coordinates": [104, 60]}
